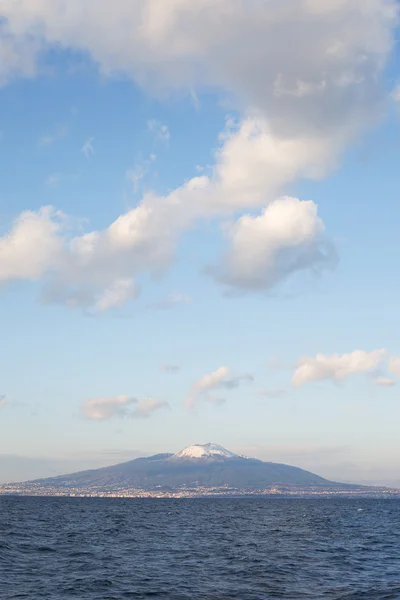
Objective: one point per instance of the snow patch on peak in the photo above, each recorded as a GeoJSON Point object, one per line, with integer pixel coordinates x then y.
{"type": "Point", "coordinates": [204, 451]}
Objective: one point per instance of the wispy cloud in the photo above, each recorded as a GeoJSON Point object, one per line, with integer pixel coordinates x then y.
{"type": "Point", "coordinates": [139, 172]}
{"type": "Point", "coordinates": [384, 382]}
{"type": "Point", "coordinates": [170, 369]}
{"type": "Point", "coordinates": [169, 302]}
{"type": "Point", "coordinates": [3, 401]}
{"type": "Point", "coordinates": [120, 407]}
{"type": "Point", "coordinates": [277, 364]}
{"type": "Point", "coordinates": [270, 393]}
{"type": "Point", "coordinates": [195, 99]}
{"type": "Point", "coordinates": [53, 180]}
{"type": "Point", "coordinates": [50, 138]}
{"type": "Point", "coordinates": [222, 378]}
{"type": "Point", "coordinates": [116, 295]}
{"type": "Point", "coordinates": [87, 148]}
{"type": "Point", "coordinates": [159, 130]}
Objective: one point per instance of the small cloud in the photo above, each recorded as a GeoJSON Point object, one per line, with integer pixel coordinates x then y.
{"type": "Point", "coordinates": [384, 382]}
{"type": "Point", "coordinates": [159, 130]}
{"type": "Point", "coordinates": [222, 378]}
{"type": "Point", "coordinates": [121, 407]}
{"type": "Point", "coordinates": [50, 138]}
{"type": "Point", "coordinates": [170, 369]}
{"type": "Point", "coordinates": [53, 180]}
{"type": "Point", "coordinates": [87, 148]}
{"type": "Point", "coordinates": [270, 393]}
{"type": "Point", "coordinates": [169, 302]}
{"type": "Point", "coordinates": [3, 401]}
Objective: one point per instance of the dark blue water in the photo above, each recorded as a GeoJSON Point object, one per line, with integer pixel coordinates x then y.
{"type": "Point", "coordinates": [199, 549]}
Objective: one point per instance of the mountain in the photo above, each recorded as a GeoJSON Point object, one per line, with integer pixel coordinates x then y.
{"type": "Point", "coordinates": [200, 469]}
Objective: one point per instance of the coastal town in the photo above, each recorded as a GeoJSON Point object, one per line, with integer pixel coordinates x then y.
{"type": "Point", "coordinates": [38, 489]}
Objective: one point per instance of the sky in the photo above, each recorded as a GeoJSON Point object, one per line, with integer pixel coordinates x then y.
{"type": "Point", "coordinates": [199, 233]}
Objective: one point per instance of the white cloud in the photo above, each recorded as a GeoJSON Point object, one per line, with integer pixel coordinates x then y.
{"type": "Point", "coordinates": [87, 148]}
{"type": "Point", "coordinates": [222, 378]}
{"type": "Point", "coordinates": [336, 367]}
{"type": "Point", "coordinates": [93, 270]}
{"type": "Point", "coordinates": [384, 382]}
{"type": "Point", "coordinates": [263, 250]}
{"type": "Point", "coordinates": [394, 365]}
{"type": "Point", "coordinates": [33, 246]}
{"type": "Point", "coordinates": [3, 401]}
{"type": "Point", "coordinates": [159, 130]}
{"type": "Point", "coordinates": [103, 409]}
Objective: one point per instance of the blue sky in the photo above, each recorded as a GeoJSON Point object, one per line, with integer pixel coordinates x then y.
{"type": "Point", "coordinates": [220, 262]}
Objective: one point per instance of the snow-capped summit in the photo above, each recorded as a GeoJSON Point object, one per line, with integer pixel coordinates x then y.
{"type": "Point", "coordinates": [202, 451]}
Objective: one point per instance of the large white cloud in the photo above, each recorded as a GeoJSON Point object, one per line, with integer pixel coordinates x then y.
{"type": "Point", "coordinates": [336, 367]}
{"type": "Point", "coordinates": [288, 236]}
{"type": "Point", "coordinates": [323, 58]}
{"type": "Point", "coordinates": [307, 76]}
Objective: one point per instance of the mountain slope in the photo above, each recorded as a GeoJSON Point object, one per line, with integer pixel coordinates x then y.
{"type": "Point", "coordinates": [198, 466]}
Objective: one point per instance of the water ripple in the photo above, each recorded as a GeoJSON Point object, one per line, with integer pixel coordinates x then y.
{"type": "Point", "coordinates": [199, 549]}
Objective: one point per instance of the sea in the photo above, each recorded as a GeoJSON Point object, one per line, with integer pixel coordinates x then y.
{"type": "Point", "coordinates": [199, 549]}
